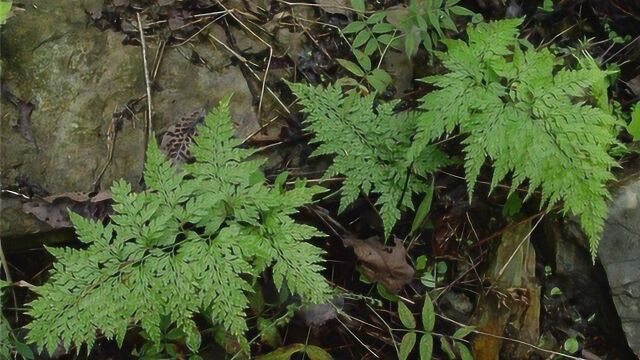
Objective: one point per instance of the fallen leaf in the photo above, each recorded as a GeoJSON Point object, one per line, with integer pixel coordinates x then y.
{"type": "Point", "coordinates": [176, 140]}
{"type": "Point", "coordinates": [53, 209]}
{"type": "Point", "coordinates": [384, 264]}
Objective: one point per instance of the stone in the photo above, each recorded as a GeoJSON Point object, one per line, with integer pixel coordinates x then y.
{"type": "Point", "coordinates": [583, 285]}
{"type": "Point", "coordinates": [620, 256]}
{"type": "Point", "coordinates": [183, 86]}
{"type": "Point", "coordinates": [77, 77]}
{"type": "Point", "coordinates": [401, 69]}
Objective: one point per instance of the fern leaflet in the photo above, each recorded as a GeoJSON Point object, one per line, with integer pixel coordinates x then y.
{"type": "Point", "coordinates": [529, 116]}
{"type": "Point", "coordinates": [189, 244]}
{"type": "Point", "coordinates": [368, 144]}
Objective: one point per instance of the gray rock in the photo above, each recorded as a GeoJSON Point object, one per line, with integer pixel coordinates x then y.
{"type": "Point", "coordinates": [620, 255]}
{"type": "Point", "coordinates": [401, 69]}
{"type": "Point", "coordinates": [584, 287]}
{"type": "Point", "coordinates": [77, 76]}
{"type": "Point", "coordinates": [182, 87]}
{"type": "Point", "coordinates": [316, 315]}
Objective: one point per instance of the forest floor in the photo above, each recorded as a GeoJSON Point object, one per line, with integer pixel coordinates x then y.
{"type": "Point", "coordinates": [520, 281]}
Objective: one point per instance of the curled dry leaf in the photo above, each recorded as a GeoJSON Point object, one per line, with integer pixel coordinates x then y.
{"type": "Point", "coordinates": [176, 140]}
{"type": "Point", "coordinates": [384, 264]}
{"type": "Point", "coordinates": [53, 209]}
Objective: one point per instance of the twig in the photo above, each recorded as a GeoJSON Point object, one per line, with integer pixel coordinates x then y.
{"type": "Point", "coordinates": [259, 130]}
{"type": "Point", "coordinates": [542, 45]}
{"type": "Point", "coordinates": [264, 82]}
{"type": "Point", "coordinates": [200, 31]}
{"type": "Point", "coordinates": [246, 63]}
{"type": "Point", "coordinates": [117, 118]}
{"type": "Point", "coordinates": [393, 341]}
{"type": "Point", "coordinates": [158, 59]}
{"type": "Point", "coordinates": [112, 134]}
{"type": "Point", "coordinates": [621, 50]}
{"type": "Point", "coordinates": [337, 7]}
{"type": "Point", "coordinates": [148, 124]}
{"type": "Point", "coordinates": [358, 339]}
{"type": "Point", "coordinates": [15, 193]}
{"type": "Point", "coordinates": [7, 274]}
{"type": "Point", "coordinates": [266, 71]}
{"type": "Point", "coordinates": [526, 237]}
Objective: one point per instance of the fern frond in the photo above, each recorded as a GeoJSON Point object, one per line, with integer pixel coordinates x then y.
{"type": "Point", "coordinates": [187, 245]}
{"type": "Point", "coordinates": [527, 117]}
{"type": "Point", "coordinates": [369, 146]}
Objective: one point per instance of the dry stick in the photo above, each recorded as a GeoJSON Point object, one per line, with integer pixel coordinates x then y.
{"type": "Point", "coordinates": [617, 6]}
{"type": "Point", "coordinates": [445, 289]}
{"type": "Point", "coordinates": [245, 63]}
{"type": "Point", "coordinates": [306, 32]}
{"type": "Point", "coordinates": [526, 237]}
{"type": "Point", "coordinates": [316, 22]}
{"type": "Point", "coordinates": [157, 59]}
{"type": "Point", "coordinates": [5, 266]}
{"type": "Point", "coordinates": [358, 339]}
{"type": "Point", "coordinates": [266, 71]}
{"type": "Point", "coordinates": [259, 130]}
{"type": "Point", "coordinates": [15, 193]}
{"type": "Point", "coordinates": [511, 226]}
{"type": "Point", "coordinates": [385, 324]}
{"type": "Point", "coordinates": [148, 124]}
{"type": "Point", "coordinates": [337, 7]}
{"type": "Point", "coordinates": [512, 340]}
{"type": "Point", "coordinates": [264, 81]}
{"type": "Point", "coordinates": [200, 31]}
{"type": "Point", "coordinates": [542, 45]}
{"type": "Point", "coordinates": [484, 182]}
{"type": "Point", "coordinates": [621, 50]}
{"type": "Point", "coordinates": [196, 16]}
{"type": "Point", "coordinates": [112, 134]}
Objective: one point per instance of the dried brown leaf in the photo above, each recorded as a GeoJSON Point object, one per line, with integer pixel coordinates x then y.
{"type": "Point", "coordinates": [177, 139]}
{"type": "Point", "coordinates": [53, 209]}
{"type": "Point", "coordinates": [384, 264]}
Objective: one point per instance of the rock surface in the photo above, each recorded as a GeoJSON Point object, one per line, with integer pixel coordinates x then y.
{"type": "Point", "coordinates": [77, 77]}
{"type": "Point", "coordinates": [620, 256]}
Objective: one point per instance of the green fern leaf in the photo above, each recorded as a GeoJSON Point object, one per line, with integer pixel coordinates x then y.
{"type": "Point", "coordinates": [369, 145]}
{"type": "Point", "coordinates": [186, 245]}
{"type": "Point", "coordinates": [529, 118]}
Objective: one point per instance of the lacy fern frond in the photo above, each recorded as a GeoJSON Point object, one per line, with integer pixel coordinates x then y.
{"type": "Point", "coordinates": [187, 245]}
{"type": "Point", "coordinates": [368, 144]}
{"type": "Point", "coordinates": [529, 115]}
